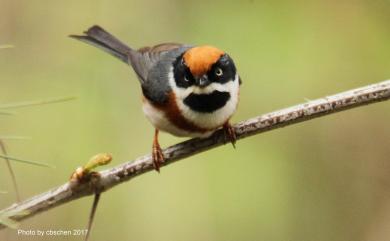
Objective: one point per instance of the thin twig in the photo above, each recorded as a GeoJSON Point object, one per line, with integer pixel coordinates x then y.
{"type": "Point", "coordinates": [126, 171]}
{"type": "Point", "coordinates": [15, 138]}
{"type": "Point", "coordinates": [10, 170]}
{"type": "Point", "coordinates": [6, 46]}
{"type": "Point", "coordinates": [35, 163]}
{"type": "Point", "coordinates": [35, 102]}
{"type": "Point", "coordinates": [6, 113]}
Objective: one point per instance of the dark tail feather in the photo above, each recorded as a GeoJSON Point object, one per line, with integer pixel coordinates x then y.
{"type": "Point", "coordinates": [100, 38]}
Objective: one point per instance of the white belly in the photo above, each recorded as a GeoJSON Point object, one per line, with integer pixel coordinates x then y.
{"type": "Point", "coordinates": [161, 122]}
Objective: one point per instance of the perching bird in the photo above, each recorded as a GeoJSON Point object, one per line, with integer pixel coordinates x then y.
{"type": "Point", "coordinates": [187, 90]}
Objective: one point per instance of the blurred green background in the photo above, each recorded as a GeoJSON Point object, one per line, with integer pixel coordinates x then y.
{"type": "Point", "coordinates": [326, 179]}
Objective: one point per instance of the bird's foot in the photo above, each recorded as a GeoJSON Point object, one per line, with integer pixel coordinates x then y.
{"type": "Point", "coordinates": [157, 154]}
{"type": "Point", "coordinates": [158, 157]}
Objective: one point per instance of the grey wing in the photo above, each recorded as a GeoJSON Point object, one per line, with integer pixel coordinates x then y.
{"type": "Point", "coordinates": [145, 58]}
{"type": "Point", "coordinates": [156, 86]}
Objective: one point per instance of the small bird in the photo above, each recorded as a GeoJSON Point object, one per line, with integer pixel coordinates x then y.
{"type": "Point", "coordinates": [188, 91]}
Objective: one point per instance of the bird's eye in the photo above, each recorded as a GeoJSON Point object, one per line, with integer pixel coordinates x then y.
{"type": "Point", "coordinates": [186, 78]}
{"type": "Point", "coordinates": [218, 72]}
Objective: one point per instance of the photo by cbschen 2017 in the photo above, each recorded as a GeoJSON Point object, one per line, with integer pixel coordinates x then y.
{"type": "Point", "coordinates": [182, 138]}
{"type": "Point", "coordinates": [50, 232]}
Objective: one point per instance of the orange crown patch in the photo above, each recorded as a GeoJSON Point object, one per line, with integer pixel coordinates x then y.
{"type": "Point", "coordinates": [200, 59]}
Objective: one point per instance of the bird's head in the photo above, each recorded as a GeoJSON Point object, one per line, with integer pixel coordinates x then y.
{"type": "Point", "coordinates": [199, 67]}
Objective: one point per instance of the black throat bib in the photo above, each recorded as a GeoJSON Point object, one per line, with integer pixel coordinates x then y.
{"type": "Point", "coordinates": [207, 103]}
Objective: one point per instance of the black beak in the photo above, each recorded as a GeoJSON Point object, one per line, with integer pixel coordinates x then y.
{"type": "Point", "coordinates": [202, 81]}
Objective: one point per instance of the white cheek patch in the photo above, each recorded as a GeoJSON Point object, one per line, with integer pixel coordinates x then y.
{"type": "Point", "coordinates": [182, 93]}
{"type": "Point", "coordinates": [208, 89]}
{"type": "Point", "coordinates": [214, 119]}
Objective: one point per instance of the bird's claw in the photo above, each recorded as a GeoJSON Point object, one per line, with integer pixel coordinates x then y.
{"type": "Point", "coordinates": [158, 157]}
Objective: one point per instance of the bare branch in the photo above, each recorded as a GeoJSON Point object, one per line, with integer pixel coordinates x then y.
{"type": "Point", "coordinates": [126, 171]}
